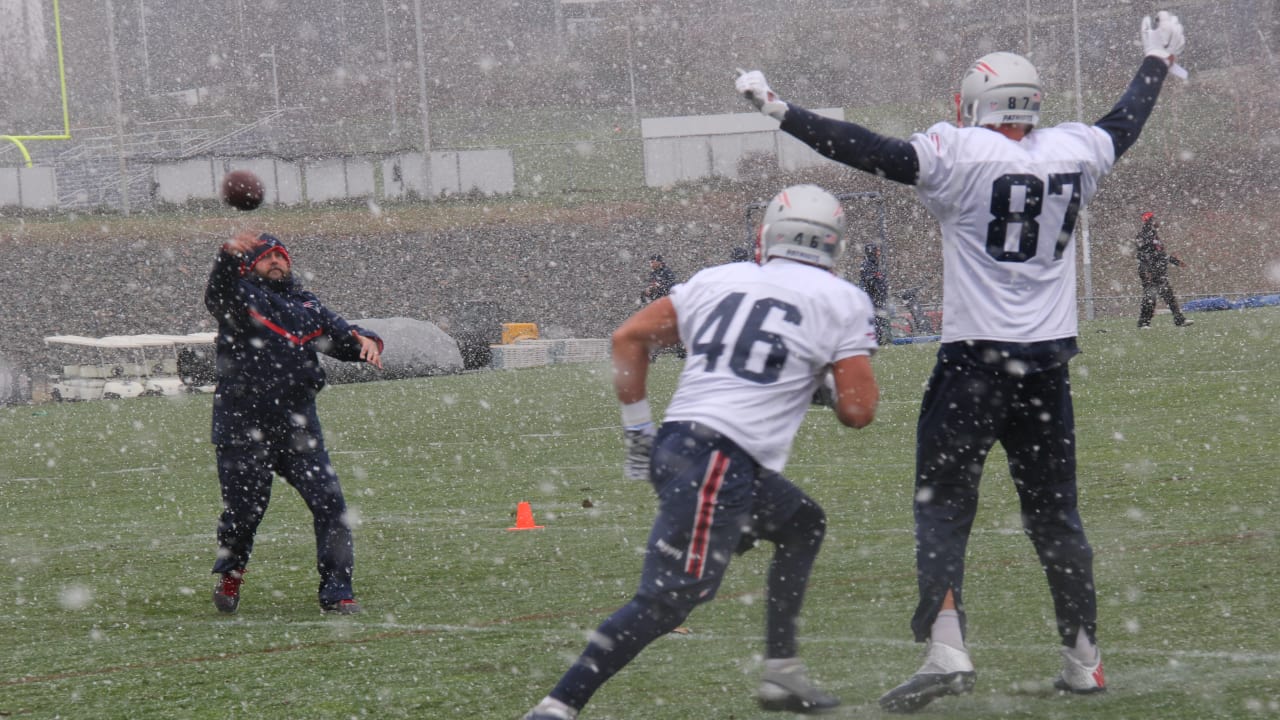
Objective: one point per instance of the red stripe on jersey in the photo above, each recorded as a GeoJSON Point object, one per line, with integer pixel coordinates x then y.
{"type": "Point", "coordinates": [704, 515]}
{"type": "Point", "coordinates": [281, 331]}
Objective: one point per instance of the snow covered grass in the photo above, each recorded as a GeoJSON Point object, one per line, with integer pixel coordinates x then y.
{"type": "Point", "coordinates": [109, 511]}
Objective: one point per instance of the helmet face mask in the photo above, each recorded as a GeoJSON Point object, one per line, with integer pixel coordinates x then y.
{"type": "Point", "coordinates": [803, 223]}
{"type": "Point", "coordinates": [1000, 88]}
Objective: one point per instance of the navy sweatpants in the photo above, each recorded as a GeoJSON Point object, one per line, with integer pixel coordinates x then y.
{"type": "Point", "coordinates": [967, 408]}
{"type": "Point", "coordinates": [245, 473]}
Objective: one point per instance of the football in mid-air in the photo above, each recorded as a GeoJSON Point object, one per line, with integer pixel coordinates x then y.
{"type": "Point", "coordinates": [242, 190]}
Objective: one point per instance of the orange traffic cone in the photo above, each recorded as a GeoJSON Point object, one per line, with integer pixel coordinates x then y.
{"type": "Point", "coordinates": [524, 518]}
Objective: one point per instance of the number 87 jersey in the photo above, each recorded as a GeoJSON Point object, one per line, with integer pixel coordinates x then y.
{"type": "Point", "coordinates": [1008, 211]}
{"type": "Point", "coordinates": [759, 339]}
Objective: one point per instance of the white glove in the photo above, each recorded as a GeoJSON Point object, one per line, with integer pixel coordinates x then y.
{"type": "Point", "coordinates": [753, 86]}
{"type": "Point", "coordinates": [639, 440]}
{"type": "Point", "coordinates": [1163, 38]}
{"type": "Point", "coordinates": [825, 394]}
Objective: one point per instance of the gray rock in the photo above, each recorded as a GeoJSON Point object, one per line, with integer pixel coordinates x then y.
{"type": "Point", "coordinates": [413, 348]}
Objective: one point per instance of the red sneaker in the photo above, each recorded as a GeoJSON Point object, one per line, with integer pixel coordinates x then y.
{"type": "Point", "coordinates": [226, 594]}
{"type": "Point", "coordinates": [342, 607]}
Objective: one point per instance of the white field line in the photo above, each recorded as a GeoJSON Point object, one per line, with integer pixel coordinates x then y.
{"type": "Point", "coordinates": [521, 627]}
{"type": "Point", "coordinates": [125, 471]}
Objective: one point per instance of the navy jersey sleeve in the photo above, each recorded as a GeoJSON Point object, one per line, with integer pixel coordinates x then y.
{"type": "Point", "coordinates": [849, 143]}
{"type": "Point", "coordinates": [1125, 121]}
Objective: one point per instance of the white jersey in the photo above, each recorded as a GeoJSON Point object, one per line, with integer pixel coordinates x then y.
{"type": "Point", "coordinates": [759, 339]}
{"type": "Point", "coordinates": [1008, 211]}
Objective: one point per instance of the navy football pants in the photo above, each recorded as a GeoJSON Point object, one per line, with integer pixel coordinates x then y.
{"type": "Point", "coordinates": [246, 471]}
{"type": "Point", "coordinates": [967, 408]}
{"type": "Point", "coordinates": [713, 500]}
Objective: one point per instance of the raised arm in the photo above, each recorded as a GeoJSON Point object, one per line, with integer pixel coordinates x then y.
{"type": "Point", "coordinates": [221, 294]}
{"type": "Point", "coordinates": [854, 145]}
{"type": "Point", "coordinates": [1162, 41]}
{"type": "Point", "coordinates": [845, 142]}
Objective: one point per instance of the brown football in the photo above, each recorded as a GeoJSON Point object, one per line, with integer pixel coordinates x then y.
{"type": "Point", "coordinates": [242, 190]}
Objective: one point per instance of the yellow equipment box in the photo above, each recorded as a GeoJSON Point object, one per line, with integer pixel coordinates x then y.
{"type": "Point", "coordinates": [512, 332]}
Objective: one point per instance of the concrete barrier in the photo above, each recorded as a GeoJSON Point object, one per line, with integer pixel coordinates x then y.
{"type": "Point", "coordinates": [35, 188]}
{"type": "Point", "coordinates": [677, 149]}
{"type": "Point", "coordinates": [491, 172]}
{"type": "Point", "coordinates": [338, 179]}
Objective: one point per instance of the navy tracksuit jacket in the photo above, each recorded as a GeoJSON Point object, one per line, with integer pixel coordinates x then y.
{"type": "Point", "coordinates": [264, 410]}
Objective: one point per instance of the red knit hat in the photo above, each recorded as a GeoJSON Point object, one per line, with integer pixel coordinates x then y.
{"type": "Point", "coordinates": [270, 244]}
{"type": "Point", "coordinates": [1148, 216]}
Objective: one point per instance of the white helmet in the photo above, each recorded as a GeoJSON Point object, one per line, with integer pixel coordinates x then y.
{"type": "Point", "coordinates": [1000, 88]}
{"type": "Point", "coordinates": [803, 223]}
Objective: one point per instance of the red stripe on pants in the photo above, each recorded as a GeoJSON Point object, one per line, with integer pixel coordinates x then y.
{"type": "Point", "coordinates": [705, 513]}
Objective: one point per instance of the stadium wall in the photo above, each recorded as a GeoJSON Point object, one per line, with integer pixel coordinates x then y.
{"type": "Point", "coordinates": [675, 150]}
{"type": "Point", "coordinates": [682, 149]}
{"type": "Point", "coordinates": [293, 182]}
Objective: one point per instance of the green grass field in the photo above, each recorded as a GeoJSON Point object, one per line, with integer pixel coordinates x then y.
{"type": "Point", "coordinates": [109, 510]}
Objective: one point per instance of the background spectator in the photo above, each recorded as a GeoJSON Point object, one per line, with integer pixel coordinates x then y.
{"type": "Point", "coordinates": [660, 280]}
{"type": "Point", "coordinates": [872, 278]}
{"type": "Point", "coordinates": [1153, 271]}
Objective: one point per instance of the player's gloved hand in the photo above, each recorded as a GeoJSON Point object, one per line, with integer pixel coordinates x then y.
{"type": "Point", "coordinates": [639, 440]}
{"type": "Point", "coordinates": [1162, 38]}
{"type": "Point", "coordinates": [753, 87]}
{"type": "Point", "coordinates": [825, 394]}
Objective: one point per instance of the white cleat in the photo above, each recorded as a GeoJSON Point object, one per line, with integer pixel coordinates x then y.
{"type": "Point", "coordinates": [1076, 677]}
{"type": "Point", "coordinates": [785, 687]}
{"type": "Point", "coordinates": [551, 709]}
{"type": "Point", "coordinates": [946, 671]}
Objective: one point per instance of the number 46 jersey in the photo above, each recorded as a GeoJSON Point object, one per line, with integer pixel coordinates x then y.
{"type": "Point", "coordinates": [1008, 210]}
{"type": "Point", "coordinates": [759, 339]}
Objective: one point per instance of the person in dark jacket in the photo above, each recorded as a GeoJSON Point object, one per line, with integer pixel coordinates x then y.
{"type": "Point", "coordinates": [1153, 271]}
{"type": "Point", "coordinates": [874, 282]}
{"type": "Point", "coordinates": [264, 410]}
{"type": "Point", "coordinates": [661, 278]}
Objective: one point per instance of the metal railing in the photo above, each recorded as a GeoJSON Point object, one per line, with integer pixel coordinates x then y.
{"type": "Point", "coordinates": [263, 121]}
{"type": "Point", "coordinates": [89, 170]}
